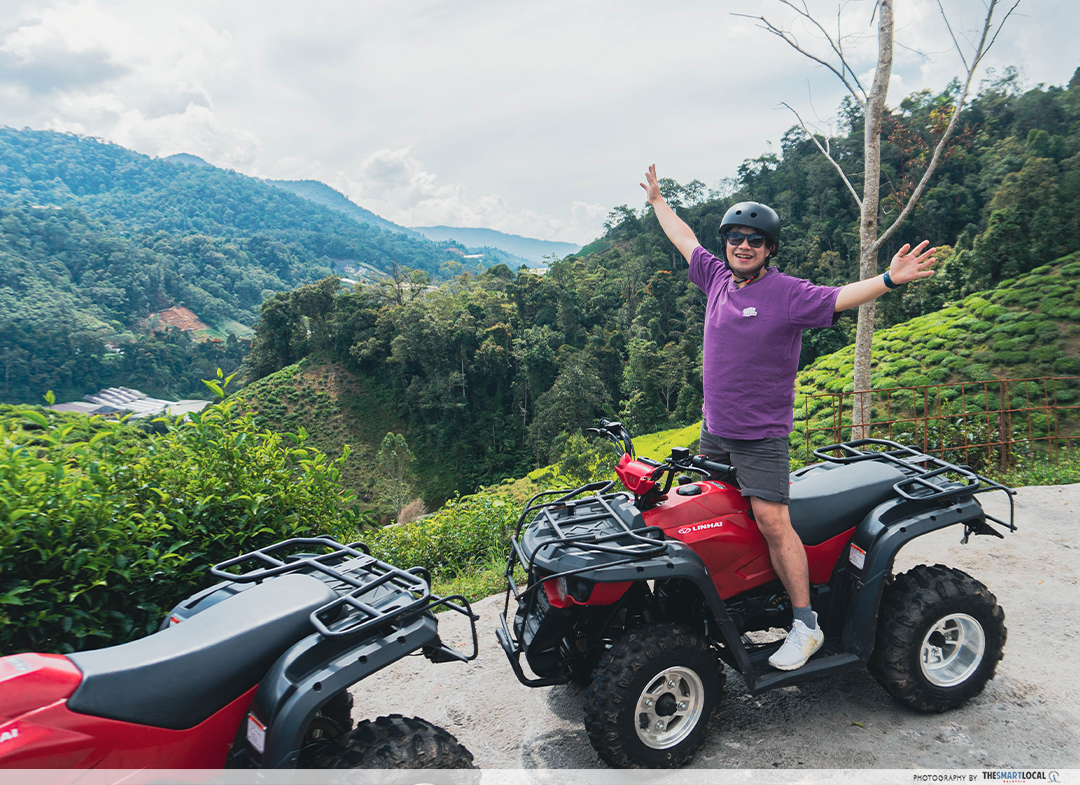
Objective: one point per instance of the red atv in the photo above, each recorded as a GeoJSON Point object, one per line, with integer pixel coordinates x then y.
{"type": "Point", "coordinates": [252, 672]}
{"type": "Point", "coordinates": [642, 597]}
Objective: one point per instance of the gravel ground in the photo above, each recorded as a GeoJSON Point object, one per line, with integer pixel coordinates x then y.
{"type": "Point", "coordinates": [1027, 718]}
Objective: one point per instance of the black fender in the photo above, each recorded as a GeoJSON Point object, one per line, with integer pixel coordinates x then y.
{"type": "Point", "coordinates": [681, 562]}
{"type": "Point", "coordinates": [315, 670]}
{"type": "Point", "coordinates": [880, 536]}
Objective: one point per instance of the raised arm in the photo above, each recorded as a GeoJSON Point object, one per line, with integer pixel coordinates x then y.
{"type": "Point", "coordinates": [681, 235]}
{"type": "Point", "coordinates": [908, 265]}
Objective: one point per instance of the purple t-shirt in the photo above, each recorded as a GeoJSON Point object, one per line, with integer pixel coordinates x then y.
{"type": "Point", "coordinates": [753, 337]}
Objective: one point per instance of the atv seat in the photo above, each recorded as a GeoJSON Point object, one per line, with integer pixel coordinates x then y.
{"type": "Point", "coordinates": [833, 498]}
{"type": "Point", "coordinates": [180, 676]}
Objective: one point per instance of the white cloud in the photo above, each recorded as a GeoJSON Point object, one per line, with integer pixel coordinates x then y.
{"type": "Point", "coordinates": [107, 72]}
{"type": "Point", "coordinates": [398, 186]}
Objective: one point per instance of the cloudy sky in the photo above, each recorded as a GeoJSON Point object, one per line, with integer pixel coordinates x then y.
{"type": "Point", "coordinates": [534, 118]}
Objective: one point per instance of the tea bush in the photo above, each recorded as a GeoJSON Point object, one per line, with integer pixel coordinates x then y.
{"type": "Point", "coordinates": [465, 532]}
{"type": "Point", "coordinates": [105, 526]}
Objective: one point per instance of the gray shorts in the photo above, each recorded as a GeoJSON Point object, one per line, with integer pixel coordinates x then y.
{"type": "Point", "coordinates": [762, 466]}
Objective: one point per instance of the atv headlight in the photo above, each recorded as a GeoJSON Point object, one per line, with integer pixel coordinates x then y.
{"type": "Point", "coordinates": [559, 585]}
{"type": "Point", "coordinates": [556, 591]}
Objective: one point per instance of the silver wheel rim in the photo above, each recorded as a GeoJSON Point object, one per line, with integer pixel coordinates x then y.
{"type": "Point", "coordinates": [952, 650]}
{"type": "Point", "coordinates": [669, 708]}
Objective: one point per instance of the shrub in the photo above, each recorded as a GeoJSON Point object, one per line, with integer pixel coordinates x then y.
{"type": "Point", "coordinates": [412, 511]}
{"type": "Point", "coordinates": [913, 379]}
{"type": "Point", "coordinates": [466, 531]}
{"type": "Point", "coordinates": [1045, 354]}
{"type": "Point", "coordinates": [104, 527]}
{"type": "Point", "coordinates": [1048, 331]}
{"type": "Point", "coordinates": [977, 372]}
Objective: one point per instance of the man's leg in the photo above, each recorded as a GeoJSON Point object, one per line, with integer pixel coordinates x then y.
{"type": "Point", "coordinates": [785, 549]}
{"type": "Point", "coordinates": [789, 562]}
{"type": "Point", "coordinates": [762, 471]}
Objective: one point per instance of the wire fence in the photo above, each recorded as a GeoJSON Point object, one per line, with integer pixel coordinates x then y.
{"type": "Point", "coordinates": [981, 424]}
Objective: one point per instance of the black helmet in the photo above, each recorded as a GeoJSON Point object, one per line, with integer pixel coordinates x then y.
{"type": "Point", "coordinates": [756, 216]}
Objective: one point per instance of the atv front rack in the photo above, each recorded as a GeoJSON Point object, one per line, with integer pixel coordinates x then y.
{"type": "Point", "coordinates": [929, 478]}
{"type": "Point", "coordinates": [372, 593]}
{"type": "Point", "coordinates": [584, 530]}
{"type": "Point", "coordinates": [602, 529]}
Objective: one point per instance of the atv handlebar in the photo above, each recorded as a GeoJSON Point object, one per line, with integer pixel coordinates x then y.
{"type": "Point", "coordinates": [681, 459]}
{"type": "Point", "coordinates": [714, 467]}
{"type": "Point", "coordinates": [615, 433]}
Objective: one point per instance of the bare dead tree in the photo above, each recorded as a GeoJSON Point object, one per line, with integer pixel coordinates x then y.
{"type": "Point", "coordinates": [872, 104]}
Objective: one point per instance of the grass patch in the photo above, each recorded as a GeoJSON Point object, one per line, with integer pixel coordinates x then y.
{"type": "Point", "coordinates": [1063, 469]}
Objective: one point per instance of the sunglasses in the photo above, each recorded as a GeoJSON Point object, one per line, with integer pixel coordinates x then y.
{"type": "Point", "coordinates": [753, 240]}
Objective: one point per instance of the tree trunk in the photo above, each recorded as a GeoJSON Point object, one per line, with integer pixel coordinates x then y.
{"type": "Point", "coordinates": [868, 224]}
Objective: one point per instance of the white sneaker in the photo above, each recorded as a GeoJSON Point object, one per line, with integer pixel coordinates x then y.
{"type": "Point", "coordinates": [800, 645]}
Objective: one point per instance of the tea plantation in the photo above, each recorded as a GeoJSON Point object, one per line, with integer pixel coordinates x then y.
{"type": "Point", "coordinates": [1027, 328]}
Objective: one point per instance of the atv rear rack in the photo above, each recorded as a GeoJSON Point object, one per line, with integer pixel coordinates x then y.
{"type": "Point", "coordinates": [372, 593]}
{"type": "Point", "coordinates": [929, 478]}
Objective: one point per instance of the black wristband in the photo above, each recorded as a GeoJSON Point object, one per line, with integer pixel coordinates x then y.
{"type": "Point", "coordinates": [889, 282]}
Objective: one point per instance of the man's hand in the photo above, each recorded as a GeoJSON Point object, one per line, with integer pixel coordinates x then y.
{"type": "Point", "coordinates": [681, 235]}
{"type": "Point", "coordinates": [910, 264]}
{"type": "Point", "coordinates": [652, 188]}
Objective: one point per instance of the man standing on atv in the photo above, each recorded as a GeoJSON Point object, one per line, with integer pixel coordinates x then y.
{"type": "Point", "coordinates": [754, 318]}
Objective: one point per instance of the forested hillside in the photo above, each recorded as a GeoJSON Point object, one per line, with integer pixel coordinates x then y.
{"type": "Point", "coordinates": [486, 374]}
{"type": "Point", "coordinates": [74, 299]}
{"type": "Point", "coordinates": [141, 195]}
{"type": "Point", "coordinates": [95, 238]}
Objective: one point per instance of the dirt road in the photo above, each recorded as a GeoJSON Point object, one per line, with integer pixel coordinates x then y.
{"type": "Point", "coordinates": [1027, 718]}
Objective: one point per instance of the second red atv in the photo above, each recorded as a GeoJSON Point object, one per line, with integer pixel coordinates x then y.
{"type": "Point", "coordinates": [644, 596]}
{"type": "Point", "coordinates": [253, 672]}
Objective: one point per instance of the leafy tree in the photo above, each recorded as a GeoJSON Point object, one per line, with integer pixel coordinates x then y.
{"type": "Point", "coordinates": [944, 116]}
{"type": "Point", "coordinates": [394, 486]}
{"type": "Point", "coordinates": [574, 402]}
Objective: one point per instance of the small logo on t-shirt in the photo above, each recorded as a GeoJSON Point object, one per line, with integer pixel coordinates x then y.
{"type": "Point", "coordinates": [749, 311]}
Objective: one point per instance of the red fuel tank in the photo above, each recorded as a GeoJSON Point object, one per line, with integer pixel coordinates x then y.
{"type": "Point", "coordinates": [717, 525]}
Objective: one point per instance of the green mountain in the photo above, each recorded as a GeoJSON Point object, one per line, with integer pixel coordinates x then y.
{"type": "Point", "coordinates": [187, 159]}
{"type": "Point", "coordinates": [140, 195]}
{"type": "Point", "coordinates": [76, 297]}
{"type": "Point", "coordinates": [323, 194]}
{"type": "Point", "coordinates": [525, 247]}
{"type": "Point", "coordinates": [95, 239]}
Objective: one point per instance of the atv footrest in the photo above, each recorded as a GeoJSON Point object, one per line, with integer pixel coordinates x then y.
{"type": "Point", "coordinates": [828, 660]}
